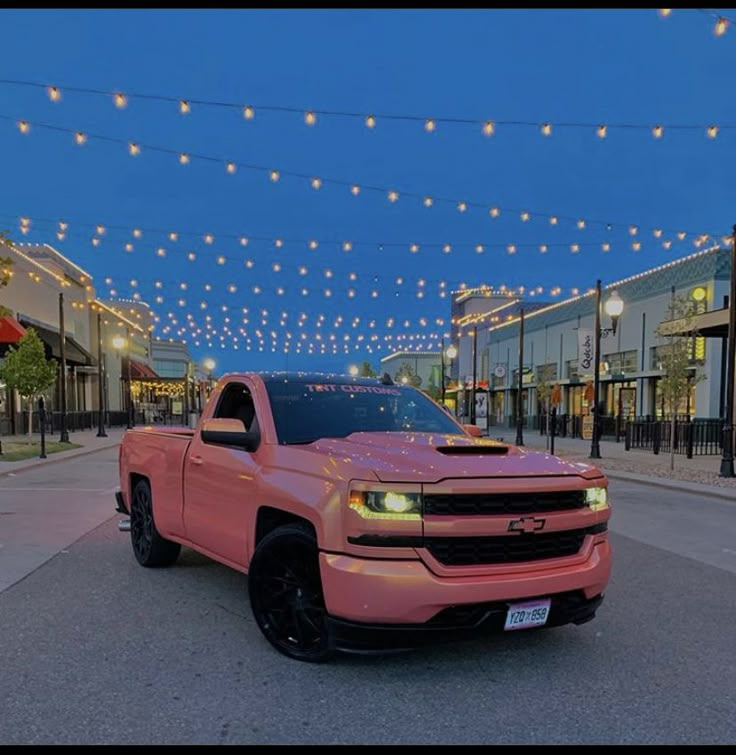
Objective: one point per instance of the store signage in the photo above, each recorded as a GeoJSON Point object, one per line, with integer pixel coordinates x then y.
{"type": "Point", "coordinates": [586, 351]}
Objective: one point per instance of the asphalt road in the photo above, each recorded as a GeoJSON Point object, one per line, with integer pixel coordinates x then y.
{"type": "Point", "coordinates": [95, 649]}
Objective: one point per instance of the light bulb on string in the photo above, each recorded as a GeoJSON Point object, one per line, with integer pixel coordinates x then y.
{"type": "Point", "coordinates": [712, 132]}
{"type": "Point", "coordinates": [720, 28]}
{"type": "Point", "coordinates": [462, 206]}
{"type": "Point", "coordinates": [602, 131]}
{"type": "Point", "coordinates": [657, 131]}
{"type": "Point", "coordinates": [430, 125]}
{"type": "Point", "coordinates": [346, 246]}
{"type": "Point", "coordinates": [80, 138]}
{"type": "Point", "coordinates": [355, 190]}
{"type": "Point", "coordinates": [249, 113]}
{"type": "Point", "coordinates": [393, 196]}
{"type": "Point", "coordinates": [134, 149]}
{"type": "Point", "coordinates": [546, 129]}
{"type": "Point", "coordinates": [489, 128]}
{"type": "Point", "coordinates": [54, 94]}
{"type": "Point", "coordinates": [243, 241]}
{"type": "Point", "coordinates": [24, 127]}
{"type": "Point", "coordinates": [274, 175]}
{"type": "Point", "coordinates": [231, 167]}
{"type": "Point", "coordinates": [494, 212]}
{"type": "Point", "coordinates": [370, 121]}
{"type": "Point", "coordinates": [310, 118]}
{"type": "Point", "coordinates": [184, 107]}
{"type": "Point", "coordinates": [316, 183]}
{"type": "Point", "coordinates": [120, 100]}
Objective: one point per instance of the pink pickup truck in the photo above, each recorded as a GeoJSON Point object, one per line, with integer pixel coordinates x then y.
{"type": "Point", "coordinates": [365, 516]}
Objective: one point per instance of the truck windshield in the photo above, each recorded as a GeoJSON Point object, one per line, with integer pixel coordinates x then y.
{"type": "Point", "coordinates": [304, 412]}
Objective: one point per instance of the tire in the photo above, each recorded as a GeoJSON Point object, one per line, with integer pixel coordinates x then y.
{"type": "Point", "coordinates": [149, 547]}
{"type": "Point", "coordinates": [286, 596]}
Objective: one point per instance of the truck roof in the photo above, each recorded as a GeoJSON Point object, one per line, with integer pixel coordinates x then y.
{"type": "Point", "coordinates": [316, 377]}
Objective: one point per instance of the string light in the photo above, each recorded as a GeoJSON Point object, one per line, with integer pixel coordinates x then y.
{"type": "Point", "coordinates": [316, 183]}
{"type": "Point", "coordinates": [54, 94]}
{"type": "Point", "coordinates": [430, 125]}
{"type": "Point", "coordinates": [310, 118]}
{"type": "Point", "coordinates": [184, 107]}
{"type": "Point", "coordinates": [80, 138]}
{"type": "Point", "coordinates": [184, 158]}
{"type": "Point", "coordinates": [346, 246]}
{"type": "Point", "coordinates": [664, 12]}
{"type": "Point", "coordinates": [370, 121]}
{"type": "Point", "coordinates": [120, 100]}
{"type": "Point", "coordinates": [355, 190]}
{"type": "Point", "coordinates": [462, 206]}
{"type": "Point", "coordinates": [231, 167]}
{"type": "Point", "coordinates": [249, 113]}
{"type": "Point", "coordinates": [489, 128]}
{"type": "Point", "coordinates": [393, 195]}
{"type": "Point", "coordinates": [525, 216]}
{"type": "Point", "coordinates": [581, 224]}
{"type": "Point", "coordinates": [494, 212]}
{"type": "Point", "coordinates": [712, 132]}
{"type": "Point", "coordinates": [546, 129]}
{"type": "Point", "coordinates": [553, 220]}
{"type": "Point", "coordinates": [24, 127]}
{"type": "Point", "coordinates": [658, 131]}
{"type": "Point", "coordinates": [720, 28]}
{"type": "Point", "coordinates": [134, 149]}
{"type": "Point", "coordinates": [602, 131]}
{"type": "Point", "coordinates": [274, 175]}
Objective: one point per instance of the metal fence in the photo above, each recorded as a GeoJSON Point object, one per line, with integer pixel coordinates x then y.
{"type": "Point", "coordinates": [696, 437]}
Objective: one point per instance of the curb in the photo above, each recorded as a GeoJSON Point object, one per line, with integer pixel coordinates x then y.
{"type": "Point", "coordinates": [682, 486]}
{"type": "Point", "coordinates": [57, 457]}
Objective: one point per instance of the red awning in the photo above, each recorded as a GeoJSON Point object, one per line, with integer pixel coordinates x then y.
{"type": "Point", "coordinates": [139, 370]}
{"type": "Point", "coordinates": [11, 331]}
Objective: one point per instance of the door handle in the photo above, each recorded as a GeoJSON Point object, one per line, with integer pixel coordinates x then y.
{"type": "Point", "coordinates": [196, 460]}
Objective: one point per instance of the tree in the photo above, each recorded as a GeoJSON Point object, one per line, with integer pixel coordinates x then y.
{"type": "Point", "coordinates": [545, 375]}
{"type": "Point", "coordinates": [677, 336]}
{"type": "Point", "coordinates": [6, 271]}
{"type": "Point", "coordinates": [407, 371]}
{"type": "Point", "coordinates": [27, 370]}
{"type": "Point", "coordinates": [366, 370]}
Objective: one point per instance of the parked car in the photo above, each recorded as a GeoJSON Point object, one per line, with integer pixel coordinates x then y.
{"type": "Point", "coordinates": [365, 516]}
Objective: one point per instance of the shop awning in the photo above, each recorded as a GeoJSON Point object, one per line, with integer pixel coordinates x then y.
{"type": "Point", "coordinates": [11, 331]}
{"type": "Point", "coordinates": [74, 353]}
{"type": "Point", "coordinates": [140, 371]}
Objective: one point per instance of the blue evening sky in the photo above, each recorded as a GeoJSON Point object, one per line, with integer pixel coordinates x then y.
{"type": "Point", "coordinates": [594, 66]}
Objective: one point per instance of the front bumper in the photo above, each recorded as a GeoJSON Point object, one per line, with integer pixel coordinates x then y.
{"type": "Point", "coordinates": [379, 591]}
{"type": "Point", "coordinates": [456, 623]}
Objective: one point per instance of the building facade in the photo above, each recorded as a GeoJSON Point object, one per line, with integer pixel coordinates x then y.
{"type": "Point", "coordinates": [630, 360]}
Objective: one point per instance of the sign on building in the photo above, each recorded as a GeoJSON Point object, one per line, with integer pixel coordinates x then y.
{"type": "Point", "coordinates": [586, 351]}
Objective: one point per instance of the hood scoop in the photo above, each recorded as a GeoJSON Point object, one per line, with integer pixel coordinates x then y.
{"type": "Point", "coordinates": [473, 450]}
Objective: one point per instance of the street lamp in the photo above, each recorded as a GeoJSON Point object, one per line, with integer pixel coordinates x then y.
{"type": "Point", "coordinates": [353, 370]}
{"type": "Point", "coordinates": [450, 353]}
{"type": "Point", "coordinates": [119, 343]}
{"type": "Point", "coordinates": [614, 309]}
{"type": "Point", "coordinates": [209, 365]}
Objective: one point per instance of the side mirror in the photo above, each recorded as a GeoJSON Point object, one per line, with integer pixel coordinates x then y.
{"type": "Point", "coordinates": [473, 430]}
{"type": "Point", "coordinates": [229, 432]}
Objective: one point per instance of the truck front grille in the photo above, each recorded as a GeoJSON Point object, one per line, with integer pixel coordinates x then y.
{"type": "Point", "coordinates": [478, 504]}
{"type": "Point", "coordinates": [508, 549]}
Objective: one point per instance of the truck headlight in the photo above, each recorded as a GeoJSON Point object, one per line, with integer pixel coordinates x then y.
{"type": "Point", "coordinates": [372, 504]}
{"type": "Point", "coordinates": [597, 498]}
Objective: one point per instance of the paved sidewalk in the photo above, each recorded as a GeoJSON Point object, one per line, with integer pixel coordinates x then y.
{"type": "Point", "coordinates": [86, 438]}
{"type": "Point", "coordinates": [699, 474]}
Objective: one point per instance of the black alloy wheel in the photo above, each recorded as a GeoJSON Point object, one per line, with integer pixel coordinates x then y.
{"type": "Point", "coordinates": [286, 593]}
{"type": "Point", "coordinates": [149, 547]}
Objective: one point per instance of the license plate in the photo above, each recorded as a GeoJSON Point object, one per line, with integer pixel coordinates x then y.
{"type": "Point", "coordinates": [524, 615]}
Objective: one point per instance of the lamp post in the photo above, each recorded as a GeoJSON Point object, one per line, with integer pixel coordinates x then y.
{"type": "Point", "coordinates": [121, 343]}
{"type": "Point", "coordinates": [209, 365]}
{"type": "Point", "coordinates": [727, 456]}
{"type": "Point", "coordinates": [520, 383]}
{"type": "Point", "coordinates": [64, 435]}
{"type": "Point", "coordinates": [450, 353]}
{"type": "Point", "coordinates": [100, 379]}
{"type": "Point", "coordinates": [475, 374]}
{"type": "Point", "coordinates": [614, 309]}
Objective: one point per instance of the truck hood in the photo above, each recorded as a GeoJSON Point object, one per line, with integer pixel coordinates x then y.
{"type": "Point", "coordinates": [429, 457]}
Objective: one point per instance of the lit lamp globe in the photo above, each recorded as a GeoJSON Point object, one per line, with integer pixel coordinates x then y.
{"type": "Point", "coordinates": [353, 370]}
{"type": "Point", "coordinates": [209, 364]}
{"type": "Point", "coordinates": [614, 308]}
{"type": "Point", "coordinates": [118, 342]}
{"type": "Point", "coordinates": [451, 351]}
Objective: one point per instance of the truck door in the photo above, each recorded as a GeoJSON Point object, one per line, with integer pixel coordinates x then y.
{"type": "Point", "coordinates": [220, 484]}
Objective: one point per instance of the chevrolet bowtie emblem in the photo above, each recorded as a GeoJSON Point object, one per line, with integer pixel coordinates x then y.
{"type": "Point", "coordinates": [526, 524]}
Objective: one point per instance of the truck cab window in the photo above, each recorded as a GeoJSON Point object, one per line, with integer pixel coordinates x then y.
{"type": "Point", "coordinates": [236, 402]}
